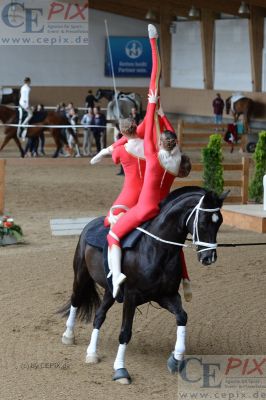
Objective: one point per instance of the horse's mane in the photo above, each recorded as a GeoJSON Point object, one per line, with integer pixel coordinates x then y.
{"type": "Point", "coordinates": [181, 193]}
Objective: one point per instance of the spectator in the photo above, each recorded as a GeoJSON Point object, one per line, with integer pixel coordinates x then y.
{"type": "Point", "coordinates": [72, 115]}
{"type": "Point", "coordinates": [218, 108]}
{"type": "Point", "coordinates": [90, 100]}
{"type": "Point", "coordinates": [135, 115]}
{"type": "Point", "coordinates": [99, 130]}
{"type": "Point", "coordinates": [61, 109]}
{"type": "Point", "coordinates": [87, 119]}
{"type": "Point", "coordinates": [31, 149]}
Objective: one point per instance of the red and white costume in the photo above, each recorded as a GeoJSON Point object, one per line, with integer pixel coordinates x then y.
{"type": "Point", "coordinates": [131, 156]}
{"type": "Point", "coordinates": [157, 179]}
{"type": "Point", "coordinates": [161, 169]}
{"type": "Point", "coordinates": [130, 153]}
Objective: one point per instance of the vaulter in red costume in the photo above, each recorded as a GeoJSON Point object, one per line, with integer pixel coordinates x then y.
{"type": "Point", "coordinates": [161, 169]}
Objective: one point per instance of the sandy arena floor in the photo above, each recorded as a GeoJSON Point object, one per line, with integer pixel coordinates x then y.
{"type": "Point", "coordinates": [226, 316]}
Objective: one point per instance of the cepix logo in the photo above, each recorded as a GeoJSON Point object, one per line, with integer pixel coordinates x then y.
{"type": "Point", "coordinates": [18, 14]}
{"type": "Point", "coordinates": [223, 376]}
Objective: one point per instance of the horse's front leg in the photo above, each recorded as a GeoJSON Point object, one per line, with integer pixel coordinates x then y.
{"type": "Point", "coordinates": [56, 134]}
{"type": "Point", "coordinates": [121, 374]}
{"type": "Point", "coordinates": [100, 315]}
{"type": "Point", "coordinates": [11, 134]}
{"type": "Point", "coordinates": [174, 305]}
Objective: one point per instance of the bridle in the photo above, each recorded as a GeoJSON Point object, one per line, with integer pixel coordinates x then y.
{"type": "Point", "coordinates": [195, 236]}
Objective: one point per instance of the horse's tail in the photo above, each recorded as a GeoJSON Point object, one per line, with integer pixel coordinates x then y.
{"type": "Point", "coordinates": [84, 295]}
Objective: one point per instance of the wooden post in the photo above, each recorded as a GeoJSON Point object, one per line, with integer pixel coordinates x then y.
{"type": "Point", "coordinates": [256, 27]}
{"type": "Point", "coordinates": [180, 128]}
{"type": "Point", "coordinates": [207, 38]}
{"type": "Point", "coordinates": [166, 39]}
{"type": "Point", "coordinates": [2, 185]}
{"type": "Point", "coordinates": [245, 179]}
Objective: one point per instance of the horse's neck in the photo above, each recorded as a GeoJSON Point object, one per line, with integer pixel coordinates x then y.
{"type": "Point", "coordinates": [172, 220]}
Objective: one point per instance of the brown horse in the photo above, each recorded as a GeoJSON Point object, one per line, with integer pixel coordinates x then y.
{"type": "Point", "coordinates": [244, 106]}
{"type": "Point", "coordinates": [10, 116]}
{"type": "Point", "coordinates": [12, 97]}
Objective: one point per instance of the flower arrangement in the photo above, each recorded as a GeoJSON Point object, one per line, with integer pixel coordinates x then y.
{"type": "Point", "coordinates": [10, 233]}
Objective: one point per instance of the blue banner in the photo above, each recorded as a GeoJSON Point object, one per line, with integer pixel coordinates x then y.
{"type": "Point", "coordinates": [131, 57]}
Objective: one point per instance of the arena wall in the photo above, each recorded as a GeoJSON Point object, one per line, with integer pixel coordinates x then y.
{"type": "Point", "coordinates": [65, 73]}
{"type": "Point", "coordinates": [178, 101]}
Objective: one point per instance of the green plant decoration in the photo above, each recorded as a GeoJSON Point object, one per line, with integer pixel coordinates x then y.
{"type": "Point", "coordinates": [212, 165]}
{"type": "Point", "coordinates": [256, 184]}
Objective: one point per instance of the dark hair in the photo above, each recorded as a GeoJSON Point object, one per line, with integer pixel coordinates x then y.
{"type": "Point", "coordinates": [27, 79]}
{"type": "Point", "coordinates": [185, 166]}
{"type": "Point", "coordinates": [169, 135]}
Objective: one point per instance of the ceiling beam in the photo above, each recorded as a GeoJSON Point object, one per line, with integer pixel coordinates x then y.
{"type": "Point", "coordinates": [218, 6]}
{"type": "Point", "coordinates": [115, 7]}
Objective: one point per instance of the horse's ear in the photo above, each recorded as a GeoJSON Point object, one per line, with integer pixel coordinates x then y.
{"type": "Point", "coordinates": [223, 196]}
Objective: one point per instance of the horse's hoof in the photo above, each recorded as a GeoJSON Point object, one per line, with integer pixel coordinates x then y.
{"type": "Point", "coordinates": [92, 358]}
{"type": "Point", "coordinates": [68, 340]}
{"type": "Point", "coordinates": [174, 365]}
{"type": "Point", "coordinates": [122, 376]}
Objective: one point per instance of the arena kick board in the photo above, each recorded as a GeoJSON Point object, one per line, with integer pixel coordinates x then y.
{"type": "Point", "coordinates": [69, 226]}
{"type": "Point", "coordinates": [250, 217]}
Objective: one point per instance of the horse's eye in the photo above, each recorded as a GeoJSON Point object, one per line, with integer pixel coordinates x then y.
{"type": "Point", "coordinates": [215, 218]}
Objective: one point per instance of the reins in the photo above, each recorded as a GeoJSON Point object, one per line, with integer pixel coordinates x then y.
{"type": "Point", "coordinates": [195, 236]}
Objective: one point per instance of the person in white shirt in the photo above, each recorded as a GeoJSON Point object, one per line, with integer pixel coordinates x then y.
{"type": "Point", "coordinates": [24, 103]}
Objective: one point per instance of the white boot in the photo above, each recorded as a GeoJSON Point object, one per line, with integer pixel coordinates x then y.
{"type": "Point", "coordinates": [117, 277]}
{"type": "Point", "coordinates": [152, 32]}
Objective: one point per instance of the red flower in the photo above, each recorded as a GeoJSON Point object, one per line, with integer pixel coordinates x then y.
{"type": "Point", "coordinates": [7, 224]}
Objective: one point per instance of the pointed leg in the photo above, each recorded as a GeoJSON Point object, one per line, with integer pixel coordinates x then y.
{"type": "Point", "coordinates": [174, 305]}
{"type": "Point", "coordinates": [121, 374]}
{"type": "Point", "coordinates": [100, 315]}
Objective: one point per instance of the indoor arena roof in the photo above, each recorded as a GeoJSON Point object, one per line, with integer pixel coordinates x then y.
{"type": "Point", "coordinates": [156, 9]}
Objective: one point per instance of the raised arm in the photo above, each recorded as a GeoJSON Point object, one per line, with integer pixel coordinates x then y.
{"type": "Point", "coordinates": [165, 122]}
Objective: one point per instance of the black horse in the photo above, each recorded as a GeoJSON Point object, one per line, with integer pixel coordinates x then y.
{"type": "Point", "coordinates": [108, 94]}
{"type": "Point", "coordinates": [152, 268]}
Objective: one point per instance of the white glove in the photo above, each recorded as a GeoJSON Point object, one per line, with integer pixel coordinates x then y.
{"type": "Point", "coordinates": [160, 111]}
{"type": "Point", "coordinates": [100, 155]}
{"type": "Point", "coordinates": [152, 97]}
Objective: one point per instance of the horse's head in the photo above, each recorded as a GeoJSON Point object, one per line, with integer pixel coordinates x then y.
{"type": "Point", "coordinates": [228, 104]}
{"type": "Point", "coordinates": [107, 93]}
{"type": "Point", "coordinates": [203, 223]}
{"type": "Point", "coordinates": [98, 94]}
